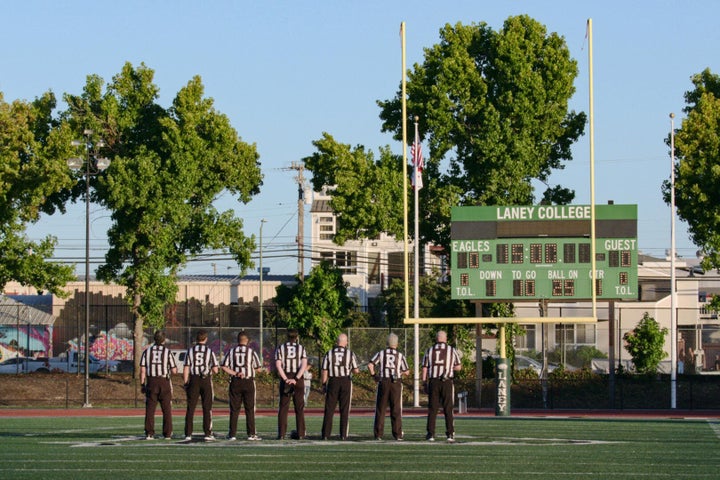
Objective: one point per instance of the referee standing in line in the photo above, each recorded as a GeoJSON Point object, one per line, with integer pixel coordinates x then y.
{"type": "Point", "coordinates": [440, 363]}
{"type": "Point", "coordinates": [156, 365]}
{"type": "Point", "coordinates": [200, 365]}
{"type": "Point", "coordinates": [391, 366]}
{"type": "Point", "coordinates": [291, 363]}
{"type": "Point", "coordinates": [241, 363]}
{"type": "Point", "coordinates": [337, 366]}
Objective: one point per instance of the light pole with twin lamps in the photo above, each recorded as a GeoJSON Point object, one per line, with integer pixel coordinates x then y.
{"type": "Point", "coordinates": [93, 164]}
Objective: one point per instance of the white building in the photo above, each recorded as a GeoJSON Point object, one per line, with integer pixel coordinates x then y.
{"type": "Point", "coordinates": [369, 265]}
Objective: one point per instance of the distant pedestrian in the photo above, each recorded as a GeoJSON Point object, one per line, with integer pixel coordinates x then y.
{"type": "Point", "coordinates": [337, 366]}
{"type": "Point", "coordinates": [241, 363]}
{"type": "Point", "coordinates": [200, 365]}
{"type": "Point", "coordinates": [440, 363]}
{"type": "Point", "coordinates": [291, 364]}
{"type": "Point", "coordinates": [391, 366]}
{"type": "Point", "coordinates": [156, 365]}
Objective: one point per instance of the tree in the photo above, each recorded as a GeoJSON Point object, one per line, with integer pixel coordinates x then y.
{"type": "Point", "coordinates": [318, 307]}
{"type": "Point", "coordinates": [494, 107]}
{"type": "Point", "coordinates": [30, 182]}
{"type": "Point", "coordinates": [435, 301]}
{"type": "Point", "coordinates": [168, 167]}
{"type": "Point", "coordinates": [697, 171]}
{"type": "Point", "coordinates": [645, 343]}
{"type": "Point", "coordinates": [365, 192]}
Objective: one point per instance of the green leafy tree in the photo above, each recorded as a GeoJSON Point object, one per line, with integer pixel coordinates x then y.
{"type": "Point", "coordinates": [365, 192]}
{"type": "Point", "coordinates": [168, 167]}
{"type": "Point", "coordinates": [697, 171]}
{"type": "Point", "coordinates": [645, 343]}
{"type": "Point", "coordinates": [494, 107]}
{"type": "Point", "coordinates": [318, 307]}
{"type": "Point", "coordinates": [30, 181]}
{"type": "Point", "coordinates": [435, 301]}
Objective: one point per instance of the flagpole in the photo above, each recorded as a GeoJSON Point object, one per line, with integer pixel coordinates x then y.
{"type": "Point", "coordinates": [673, 286]}
{"type": "Point", "coordinates": [416, 276]}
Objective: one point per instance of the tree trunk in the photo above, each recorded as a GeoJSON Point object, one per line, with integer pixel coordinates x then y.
{"type": "Point", "coordinates": [138, 336]}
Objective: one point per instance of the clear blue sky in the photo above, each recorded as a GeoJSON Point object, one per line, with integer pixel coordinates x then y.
{"type": "Point", "coordinates": [286, 71]}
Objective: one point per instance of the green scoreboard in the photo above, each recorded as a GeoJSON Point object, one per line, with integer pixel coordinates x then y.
{"type": "Point", "coordinates": [514, 253]}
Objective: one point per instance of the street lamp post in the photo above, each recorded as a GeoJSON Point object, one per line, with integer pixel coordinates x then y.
{"type": "Point", "coordinates": [260, 294]}
{"type": "Point", "coordinates": [93, 164]}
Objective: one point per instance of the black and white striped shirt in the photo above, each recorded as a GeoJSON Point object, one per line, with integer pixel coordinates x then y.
{"type": "Point", "coordinates": [290, 355]}
{"type": "Point", "coordinates": [200, 359]}
{"type": "Point", "coordinates": [389, 363]}
{"type": "Point", "coordinates": [339, 362]}
{"type": "Point", "coordinates": [440, 359]}
{"type": "Point", "coordinates": [242, 359]}
{"type": "Point", "coordinates": [158, 361]}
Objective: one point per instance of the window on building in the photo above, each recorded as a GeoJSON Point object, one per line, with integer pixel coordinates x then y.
{"type": "Point", "coordinates": [527, 341]}
{"type": "Point", "coordinates": [395, 266]}
{"type": "Point", "coordinates": [374, 268]}
{"type": "Point", "coordinates": [346, 261]}
{"type": "Point", "coordinates": [575, 334]}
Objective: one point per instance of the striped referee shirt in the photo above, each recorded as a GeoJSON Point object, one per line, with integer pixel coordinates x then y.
{"type": "Point", "coordinates": [200, 359]}
{"type": "Point", "coordinates": [242, 359]}
{"type": "Point", "coordinates": [290, 355]}
{"type": "Point", "coordinates": [440, 359]}
{"type": "Point", "coordinates": [158, 361]}
{"type": "Point", "coordinates": [390, 363]}
{"type": "Point", "coordinates": [339, 362]}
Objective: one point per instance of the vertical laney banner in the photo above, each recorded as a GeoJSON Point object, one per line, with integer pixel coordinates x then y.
{"type": "Point", "coordinates": [543, 252]}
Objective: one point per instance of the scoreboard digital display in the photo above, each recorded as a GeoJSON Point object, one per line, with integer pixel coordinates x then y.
{"type": "Point", "coordinates": [514, 253]}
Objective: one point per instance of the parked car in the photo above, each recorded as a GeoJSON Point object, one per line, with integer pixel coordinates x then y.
{"type": "Point", "coordinates": [522, 362]}
{"type": "Point", "coordinates": [68, 362]}
{"type": "Point", "coordinates": [24, 365]}
{"type": "Point", "coordinates": [179, 357]}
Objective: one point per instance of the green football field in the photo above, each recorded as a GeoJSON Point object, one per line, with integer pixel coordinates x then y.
{"type": "Point", "coordinates": [487, 447]}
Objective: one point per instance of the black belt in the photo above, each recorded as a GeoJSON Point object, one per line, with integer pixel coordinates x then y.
{"type": "Point", "coordinates": [202, 375]}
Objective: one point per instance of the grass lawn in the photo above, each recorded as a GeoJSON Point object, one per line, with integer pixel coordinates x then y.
{"type": "Point", "coordinates": [491, 448]}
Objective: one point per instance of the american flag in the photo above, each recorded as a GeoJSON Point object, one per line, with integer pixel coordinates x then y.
{"type": "Point", "coordinates": [417, 160]}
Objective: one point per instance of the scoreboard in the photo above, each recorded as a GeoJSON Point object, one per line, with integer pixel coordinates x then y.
{"type": "Point", "coordinates": [515, 253]}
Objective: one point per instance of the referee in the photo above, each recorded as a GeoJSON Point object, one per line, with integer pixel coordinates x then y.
{"type": "Point", "coordinates": [241, 363]}
{"type": "Point", "coordinates": [337, 365]}
{"type": "Point", "coordinates": [440, 363]}
{"type": "Point", "coordinates": [200, 365]}
{"type": "Point", "coordinates": [156, 365]}
{"type": "Point", "coordinates": [291, 363]}
{"type": "Point", "coordinates": [391, 366]}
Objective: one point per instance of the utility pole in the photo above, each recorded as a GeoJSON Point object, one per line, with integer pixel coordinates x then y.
{"type": "Point", "coordinates": [299, 167]}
